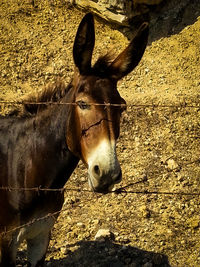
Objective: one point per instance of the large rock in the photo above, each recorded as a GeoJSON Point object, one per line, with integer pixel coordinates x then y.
{"type": "Point", "coordinates": [105, 9]}
{"type": "Point", "coordinates": [117, 11]}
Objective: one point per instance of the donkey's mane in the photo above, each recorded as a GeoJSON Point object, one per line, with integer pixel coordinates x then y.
{"type": "Point", "coordinates": [51, 93]}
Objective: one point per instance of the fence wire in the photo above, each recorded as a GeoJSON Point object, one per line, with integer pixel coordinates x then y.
{"type": "Point", "coordinates": [117, 191]}
{"type": "Point", "coordinates": [98, 195]}
{"type": "Point", "coordinates": [183, 105]}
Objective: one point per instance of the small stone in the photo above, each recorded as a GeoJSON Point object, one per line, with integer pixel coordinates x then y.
{"type": "Point", "coordinates": [83, 179]}
{"type": "Point", "coordinates": [194, 223]}
{"type": "Point", "coordinates": [172, 165]}
{"type": "Point", "coordinates": [80, 225]}
{"type": "Point", "coordinates": [95, 222]}
{"type": "Point", "coordinates": [104, 234]}
{"type": "Point", "coordinates": [63, 250]}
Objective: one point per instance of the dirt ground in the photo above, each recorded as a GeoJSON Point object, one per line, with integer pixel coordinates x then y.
{"type": "Point", "coordinates": [158, 148]}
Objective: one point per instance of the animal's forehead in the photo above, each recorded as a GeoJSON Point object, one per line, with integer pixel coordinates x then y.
{"type": "Point", "coordinates": [91, 82]}
{"type": "Point", "coordinates": [102, 89]}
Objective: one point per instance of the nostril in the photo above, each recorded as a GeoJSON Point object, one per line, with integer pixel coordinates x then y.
{"type": "Point", "coordinates": [96, 170]}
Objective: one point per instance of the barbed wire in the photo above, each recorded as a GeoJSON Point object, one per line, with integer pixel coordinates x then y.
{"type": "Point", "coordinates": [117, 191]}
{"type": "Point", "coordinates": [183, 105]}
{"type": "Point", "coordinates": [98, 195]}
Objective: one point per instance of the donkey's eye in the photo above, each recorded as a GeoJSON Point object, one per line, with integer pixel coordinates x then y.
{"type": "Point", "coordinates": [83, 105]}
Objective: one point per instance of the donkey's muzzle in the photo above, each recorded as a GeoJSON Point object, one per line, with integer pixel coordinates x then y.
{"type": "Point", "coordinates": [104, 183]}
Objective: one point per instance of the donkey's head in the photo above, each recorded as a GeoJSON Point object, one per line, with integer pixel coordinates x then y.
{"type": "Point", "coordinates": [95, 120]}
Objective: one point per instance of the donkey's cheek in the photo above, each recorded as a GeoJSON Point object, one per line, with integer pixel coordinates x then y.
{"type": "Point", "coordinates": [88, 144]}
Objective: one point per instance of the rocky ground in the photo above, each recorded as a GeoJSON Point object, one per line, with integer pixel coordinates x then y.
{"type": "Point", "coordinates": [158, 147]}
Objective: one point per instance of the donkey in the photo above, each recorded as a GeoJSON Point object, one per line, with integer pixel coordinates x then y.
{"type": "Point", "coordinates": [42, 148]}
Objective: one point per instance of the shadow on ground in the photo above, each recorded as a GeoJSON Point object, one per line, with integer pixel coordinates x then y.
{"type": "Point", "coordinates": [173, 18]}
{"type": "Point", "coordinates": [169, 18]}
{"type": "Point", "coordinates": [108, 254]}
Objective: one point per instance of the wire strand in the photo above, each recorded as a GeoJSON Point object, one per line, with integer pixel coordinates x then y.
{"type": "Point", "coordinates": [99, 104]}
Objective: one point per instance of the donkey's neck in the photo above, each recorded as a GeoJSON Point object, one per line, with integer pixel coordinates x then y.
{"type": "Point", "coordinates": [54, 162]}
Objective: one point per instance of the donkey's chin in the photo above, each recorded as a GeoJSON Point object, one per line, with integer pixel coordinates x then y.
{"type": "Point", "coordinates": [105, 188]}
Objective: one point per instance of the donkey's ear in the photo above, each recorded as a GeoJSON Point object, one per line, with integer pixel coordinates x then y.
{"type": "Point", "coordinates": [84, 44]}
{"type": "Point", "coordinates": [131, 56]}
